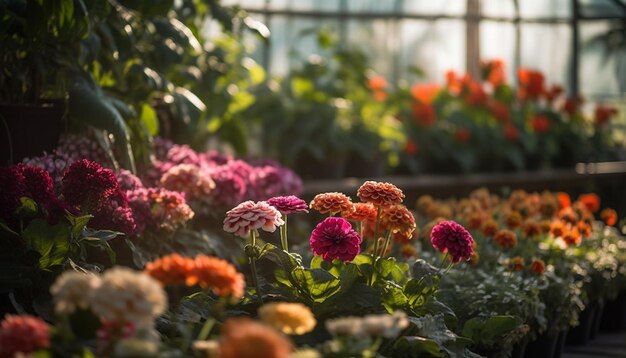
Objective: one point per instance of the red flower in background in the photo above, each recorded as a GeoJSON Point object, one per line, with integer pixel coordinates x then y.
{"type": "Point", "coordinates": [422, 109]}
{"type": "Point", "coordinates": [564, 199]}
{"type": "Point", "coordinates": [590, 201]}
{"type": "Point", "coordinates": [602, 114]}
{"type": "Point", "coordinates": [531, 84]}
{"type": "Point", "coordinates": [541, 124]}
{"type": "Point", "coordinates": [493, 72]}
{"type": "Point", "coordinates": [450, 237]}
{"type": "Point", "coordinates": [22, 334]}
{"type": "Point", "coordinates": [411, 147]}
{"type": "Point", "coordinates": [474, 94]}
{"type": "Point", "coordinates": [453, 82]}
{"type": "Point", "coordinates": [500, 111]}
{"type": "Point", "coordinates": [511, 133]}
{"type": "Point", "coordinates": [553, 93]}
{"type": "Point", "coordinates": [378, 84]}
{"type": "Point", "coordinates": [572, 105]}
{"type": "Point", "coordinates": [462, 135]}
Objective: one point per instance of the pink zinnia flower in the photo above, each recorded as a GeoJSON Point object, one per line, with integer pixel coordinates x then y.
{"type": "Point", "coordinates": [194, 181]}
{"type": "Point", "coordinates": [288, 204]}
{"type": "Point", "coordinates": [229, 187]}
{"type": "Point", "coordinates": [334, 238]}
{"type": "Point", "coordinates": [249, 215]}
{"type": "Point", "coordinates": [157, 208]}
{"type": "Point", "coordinates": [22, 334]}
{"type": "Point", "coordinates": [450, 237]}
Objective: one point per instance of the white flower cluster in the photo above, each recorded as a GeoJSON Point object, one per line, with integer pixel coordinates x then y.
{"type": "Point", "coordinates": [383, 325]}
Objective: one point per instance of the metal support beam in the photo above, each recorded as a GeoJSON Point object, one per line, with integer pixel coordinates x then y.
{"type": "Point", "coordinates": [575, 64]}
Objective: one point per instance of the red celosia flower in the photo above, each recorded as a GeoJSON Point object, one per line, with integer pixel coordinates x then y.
{"type": "Point", "coordinates": [331, 203]}
{"type": "Point", "coordinates": [114, 214]}
{"type": "Point", "coordinates": [462, 135]}
{"type": "Point", "coordinates": [380, 194]}
{"type": "Point", "coordinates": [538, 266]}
{"type": "Point", "coordinates": [531, 84]}
{"type": "Point", "coordinates": [572, 105]}
{"type": "Point", "coordinates": [245, 338]}
{"type": "Point", "coordinates": [500, 111]}
{"type": "Point", "coordinates": [21, 335]}
{"type": "Point", "coordinates": [218, 275]}
{"type": "Point", "coordinates": [249, 215]}
{"type": "Point", "coordinates": [602, 114]}
{"type": "Point", "coordinates": [13, 188]}
{"type": "Point", "coordinates": [423, 114]}
{"type": "Point", "coordinates": [411, 147]}
{"type": "Point", "coordinates": [334, 238]}
{"type": "Point", "coordinates": [506, 239]}
{"type": "Point", "coordinates": [398, 218]}
{"type": "Point", "coordinates": [87, 184]}
{"type": "Point", "coordinates": [609, 216]}
{"type": "Point", "coordinates": [361, 212]}
{"type": "Point", "coordinates": [39, 184]}
{"type": "Point", "coordinates": [591, 201]}
{"type": "Point", "coordinates": [450, 237]}
{"type": "Point", "coordinates": [172, 270]}
{"type": "Point", "coordinates": [511, 133]}
{"type": "Point", "coordinates": [288, 204]}
{"type": "Point", "coordinates": [541, 124]}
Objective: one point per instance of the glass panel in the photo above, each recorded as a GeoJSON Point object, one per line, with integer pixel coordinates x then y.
{"type": "Point", "coordinates": [499, 8]}
{"type": "Point", "coordinates": [448, 7]}
{"type": "Point", "coordinates": [386, 6]}
{"type": "Point", "coordinates": [433, 46]}
{"type": "Point", "coordinates": [497, 41]}
{"type": "Point", "coordinates": [596, 8]}
{"type": "Point", "coordinates": [601, 69]}
{"type": "Point", "coordinates": [548, 49]}
{"type": "Point", "coordinates": [545, 8]}
{"type": "Point", "coordinates": [244, 3]}
{"type": "Point", "coordinates": [306, 5]}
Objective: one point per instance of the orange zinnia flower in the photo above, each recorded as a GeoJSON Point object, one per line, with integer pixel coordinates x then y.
{"type": "Point", "coordinates": [609, 216]}
{"type": "Point", "coordinates": [513, 220]}
{"type": "Point", "coordinates": [557, 228]}
{"type": "Point", "coordinates": [493, 72]}
{"type": "Point", "coordinates": [361, 212]}
{"type": "Point", "coordinates": [380, 194]}
{"type": "Point", "coordinates": [219, 276]}
{"type": "Point", "coordinates": [538, 266]}
{"type": "Point", "coordinates": [506, 239]}
{"type": "Point", "coordinates": [245, 338]}
{"type": "Point", "coordinates": [399, 219]}
{"type": "Point", "coordinates": [173, 270]}
{"type": "Point", "coordinates": [332, 203]}
{"type": "Point", "coordinates": [591, 201]}
{"type": "Point", "coordinates": [531, 228]}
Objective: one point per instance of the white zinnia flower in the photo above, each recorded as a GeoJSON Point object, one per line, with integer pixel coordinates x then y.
{"type": "Point", "coordinates": [71, 291]}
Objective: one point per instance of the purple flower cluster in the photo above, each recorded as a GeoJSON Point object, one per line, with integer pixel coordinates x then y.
{"type": "Point", "coordinates": [334, 238]}
{"type": "Point", "coordinates": [450, 237]}
{"type": "Point", "coordinates": [83, 146]}
{"type": "Point", "coordinates": [289, 204]}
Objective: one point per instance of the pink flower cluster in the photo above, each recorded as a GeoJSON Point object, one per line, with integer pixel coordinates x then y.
{"type": "Point", "coordinates": [157, 208]}
{"type": "Point", "coordinates": [22, 335]}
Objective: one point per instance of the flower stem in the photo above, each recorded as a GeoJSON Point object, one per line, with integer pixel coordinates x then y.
{"type": "Point", "coordinates": [380, 209]}
{"type": "Point", "coordinates": [283, 235]}
{"type": "Point", "coordinates": [206, 329]}
{"type": "Point", "coordinates": [443, 261]}
{"type": "Point", "coordinates": [359, 228]}
{"type": "Point", "coordinates": [387, 241]}
{"type": "Point", "coordinates": [252, 259]}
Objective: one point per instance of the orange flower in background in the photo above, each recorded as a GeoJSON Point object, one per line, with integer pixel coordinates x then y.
{"type": "Point", "coordinates": [511, 133]}
{"type": "Point", "coordinates": [564, 199]}
{"type": "Point", "coordinates": [408, 251]}
{"type": "Point", "coordinates": [531, 229]}
{"type": "Point", "coordinates": [506, 239]}
{"type": "Point", "coordinates": [332, 203]}
{"type": "Point", "coordinates": [475, 95]}
{"type": "Point", "coordinates": [572, 237]}
{"type": "Point", "coordinates": [541, 124]}
{"type": "Point", "coordinates": [572, 105]}
{"type": "Point", "coordinates": [500, 111]}
{"type": "Point", "coordinates": [424, 202]}
{"type": "Point", "coordinates": [531, 84]}
{"type": "Point", "coordinates": [245, 338]}
{"type": "Point", "coordinates": [378, 84]}
{"type": "Point", "coordinates": [602, 114]}
{"type": "Point", "coordinates": [287, 317]}
{"type": "Point", "coordinates": [590, 201]}
{"type": "Point", "coordinates": [516, 264]}
{"type": "Point", "coordinates": [475, 220]}
{"type": "Point", "coordinates": [568, 215]}
{"type": "Point", "coordinates": [425, 93]}
{"type": "Point", "coordinates": [411, 147]}
{"type": "Point", "coordinates": [553, 93]}
{"type": "Point", "coordinates": [493, 72]}
{"type": "Point", "coordinates": [361, 212]}
{"type": "Point", "coordinates": [398, 219]}
{"type": "Point", "coordinates": [462, 135]}
{"type": "Point", "coordinates": [380, 194]}
{"type": "Point", "coordinates": [219, 276]}
{"type": "Point", "coordinates": [490, 227]}
{"type": "Point", "coordinates": [609, 216]}
{"type": "Point", "coordinates": [538, 266]}
{"type": "Point", "coordinates": [513, 220]}
{"type": "Point", "coordinates": [453, 82]}
{"type": "Point", "coordinates": [584, 229]}
{"type": "Point", "coordinates": [545, 226]}
{"type": "Point", "coordinates": [474, 259]}
{"type": "Point", "coordinates": [172, 270]}
{"type": "Point", "coordinates": [557, 228]}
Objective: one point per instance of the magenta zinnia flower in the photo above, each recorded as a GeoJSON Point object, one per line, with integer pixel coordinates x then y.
{"type": "Point", "coordinates": [288, 204]}
{"type": "Point", "coordinates": [334, 238]}
{"type": "Point", "coordinates": [249, 215]}
{"type": "Point", "coordinates": [450, 237]}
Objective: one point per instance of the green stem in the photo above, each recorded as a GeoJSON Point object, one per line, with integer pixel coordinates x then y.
{"type": "Point", "coordinates": [283, 235]}
{"type": "Point", "coordinates": [359, 228]}
{"type": "Point", "coordinates": [206, 329]}
{"type": "Point", "coordinates": [380, 209]}
{"type": "Point", "coordinates": [252, 259]}
{"type": "Point", "coordinates": [443, 261]}
{"type": "Point", "coordinates": [387, 241]}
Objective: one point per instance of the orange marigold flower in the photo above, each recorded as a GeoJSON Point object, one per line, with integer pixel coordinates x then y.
{"type": "Point", "coordinates": [361, 212]}
{"type": "Point", "coordinates": [489, 227]}
{"type": "Point", "coordinates": [218, 275]}
{"type": "Point", "coordinates": [506, 239]}
{"type": "Point", "coordinates": [568, 215]}
{"type": "Point", "coordinates": [591, 201]}
{"type": "Point", "coordinates": [584, 229]}
{"type": "Point", "coordinates": [531, 228]}
{"type": "Point", "coordinates": [609, 216]}
{"type": "Point", "coordinates": [557, 228]}
{"type": "Point", "coordinates": [245, 338]}
{"type": "Point", "coordinates": [538, 266]}
{"type": "Point", "coordinates": [572, 237]}
{"type": "Point", "coordinates": [173, 270]}
{"type": "Point", "coordinates": [380, 194]}
{"type": "Point", "coordinates": [513, 220]}
{"type": "Point", "coordinates": [516, 263]}
{"type": "Point", "coordinates": [564, 199]}
{"type": "Point", "coordinates": [424, 202]}
{"type": "Point", "coordinates": [289, 318]}
{"type": "Point", "coordinates": [475, 221]}
{"type": "Point", "coordinates": [332, 203]}
{"type": "Point", "coordinates": [399, 219]}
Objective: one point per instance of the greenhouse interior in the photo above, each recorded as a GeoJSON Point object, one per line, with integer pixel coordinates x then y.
{"type": "Point", "coordinates": [455, 172]}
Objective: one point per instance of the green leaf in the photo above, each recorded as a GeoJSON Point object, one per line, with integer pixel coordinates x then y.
{"type": "Point", "coordinates": [318, 284]}
{"type": "Point", "coordinates": [51, 242]}
{"type": "Point", "coordinates": [99, 235]}
{"type": "Point", "coordinates": [78, 223]}
{"type": "Point", "coordinates": [393, 298]}
{"type": "Point", "coordinates": [149, 119]}
{"type": "Point", "coordinates": [27, 208]}
{"type": "Point", "coordinates": [488, 332]}
{"type": "Point", "coordinates": [390, 269]}
{"type": "Point", "coordinates": [417, 347]}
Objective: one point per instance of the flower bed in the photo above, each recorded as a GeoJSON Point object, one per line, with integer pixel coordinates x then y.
{"type": "Point", "coordinates": [459, 278]}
